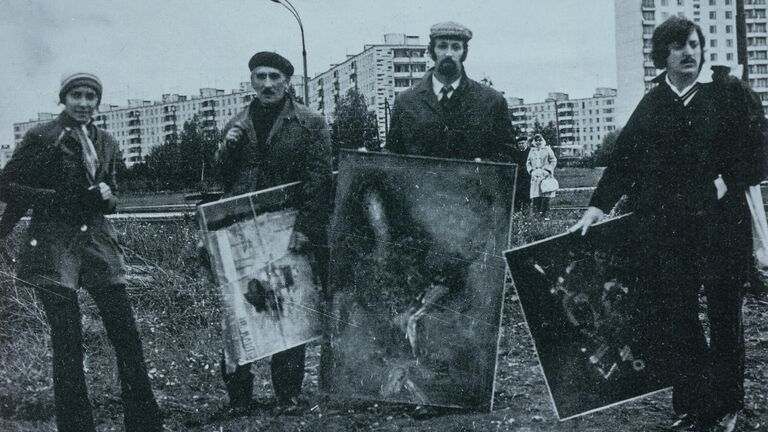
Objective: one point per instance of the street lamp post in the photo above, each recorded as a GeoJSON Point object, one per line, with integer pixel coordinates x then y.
{"type": "Point", "coordinates": [287, 4]}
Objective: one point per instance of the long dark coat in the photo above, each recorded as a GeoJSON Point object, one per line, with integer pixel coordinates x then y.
{"type": "Point", "coordinates": [69, 241]}
{"type": "Point", "coordinates": [480, 127]}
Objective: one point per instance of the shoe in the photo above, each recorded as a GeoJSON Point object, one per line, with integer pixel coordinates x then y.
{"type": "Point", "coordinates": [727, 423]}
{"type": "Point", "coordinates": [290, 405]}
{"type": "Point", "coordinates": [238, 408]}
{"type": "Point", "coordinates": [424, 412]}
{"type": "Point", "coordinates": [685, 422]}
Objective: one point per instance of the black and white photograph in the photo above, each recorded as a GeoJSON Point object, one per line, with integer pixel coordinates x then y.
{"type": "Point", "coordinates": [337, 215]}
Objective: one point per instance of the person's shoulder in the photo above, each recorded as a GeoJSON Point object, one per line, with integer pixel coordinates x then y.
{"type": "Point", "coordinates": [732, 85]}
{"type": "Point", "coordinates": [307, 115]}
{"type": "Point", "coordinates": [239, 116]}
{"type": "Point", "coordinates": [44, 132]}
{"type": "Point", "coordinates": [408, 95]}
{"type": "Point", "coordinates": [485, 91]}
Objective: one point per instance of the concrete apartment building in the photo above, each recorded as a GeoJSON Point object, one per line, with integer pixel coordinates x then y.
{"type": "Point", "coordinates": [6, 150]}
{"type": "Point", "coordinates": [379, 73]}
{"type": "Point", "coordinates": [581, 123]}
{"type": "Point", "coordinates": [144, 124]}
{"type": "Point", "coordinates": [636, 20]}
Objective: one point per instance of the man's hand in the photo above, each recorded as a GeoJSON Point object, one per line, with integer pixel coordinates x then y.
{"type": "Point", "coordinates": [234, 134]}
{"type": "Point", "coordinates": [102, 190]}
{"type": "Point", "coordinates": [721, 187]}
{"type": "Point", "coordinates": [204, 261]}
{"type": "Point", "coordinates": [590, 217]}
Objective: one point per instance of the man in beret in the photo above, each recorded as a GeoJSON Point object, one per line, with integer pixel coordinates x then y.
{"type": "Point", "coordinates": [447, 114]}
{"type": "Point", "coordinates": [65, 171]}
{"type": "Point", "coordinates": [275, 141]}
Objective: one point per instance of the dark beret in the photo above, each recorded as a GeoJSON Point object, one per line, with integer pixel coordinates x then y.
{"type": "Point", "coordinates": [270, 59]}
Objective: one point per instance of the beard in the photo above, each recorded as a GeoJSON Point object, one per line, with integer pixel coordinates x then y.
{"type": "Point", "coordinates": [448, 68]}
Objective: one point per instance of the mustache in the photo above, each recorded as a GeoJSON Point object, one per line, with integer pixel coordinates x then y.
{"type": "Point", "coordinates": [688, 60]}
{"type": "Point", "coordinates": [268, 92]}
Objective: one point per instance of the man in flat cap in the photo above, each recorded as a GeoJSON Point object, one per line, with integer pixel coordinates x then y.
{"type": "Point", "coordinates": [447, 114]}
{"type": "Point", "coordinates": [65, 171]}
{"type": "Point", "coordinates": [275, 141]}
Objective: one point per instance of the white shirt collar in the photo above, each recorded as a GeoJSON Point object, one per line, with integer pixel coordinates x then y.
{"type": "Point", "coordinates": [703, 77]}
{"type": "Point", "coordinates": [437, 86]}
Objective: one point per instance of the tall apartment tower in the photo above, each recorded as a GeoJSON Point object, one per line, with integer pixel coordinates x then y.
{"type": "Point", "coordinates": [637, 19]}
{"type": "Point", "coordinates": [379, 73]}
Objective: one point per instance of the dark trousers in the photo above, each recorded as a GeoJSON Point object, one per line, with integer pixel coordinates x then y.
{"type": "Point", "coordinates": [73, 409]}
{"type": "Point", "coordinates": [541, 205]}
{"type": "Point", "coordinates": [708, 378]}
{"type": "Point", "coordinates": [287, 370]}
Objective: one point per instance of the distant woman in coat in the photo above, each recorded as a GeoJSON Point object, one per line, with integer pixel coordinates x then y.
{"type": "Point", "coordinates": [540, 165]}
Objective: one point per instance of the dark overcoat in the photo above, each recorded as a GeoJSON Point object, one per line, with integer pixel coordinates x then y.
{"type": "Point", "coordinates": [298, 148]}
{"type": "Point", "coordinates": [668, 155]}
{"type": "Point", "coordinates": [69, 241]}
{"type": "Point", "coordinates": [480, 126]}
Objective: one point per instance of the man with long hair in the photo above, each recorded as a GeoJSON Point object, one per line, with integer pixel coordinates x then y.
{"type": "Point", "coordinates": [684, 159]}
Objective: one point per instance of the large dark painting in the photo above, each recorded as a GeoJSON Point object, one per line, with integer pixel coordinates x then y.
{"type": "Point", "coordinates": [270, 301]}
{"type": "Point", "coordinates": [593, 334]}
{"type": "Point", "coordinates": [417, 279]}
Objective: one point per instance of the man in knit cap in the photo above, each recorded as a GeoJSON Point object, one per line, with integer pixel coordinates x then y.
{"type": "Point", "coordinates": [65, 171]}
{"type": "Point", "coordinates": [447, 114]}
{"type": "Point", "coordinates": [275, 141]}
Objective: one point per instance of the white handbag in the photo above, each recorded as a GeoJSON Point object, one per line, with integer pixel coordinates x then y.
{"type": "Point", "coordinates": [759, 228]}
{"type": "Point", "coordinates": [549, 184]}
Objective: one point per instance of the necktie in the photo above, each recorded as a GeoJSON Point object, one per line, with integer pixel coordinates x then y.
{"type": "Point", "coordinates": [444, 95]}
{"type": "Point", "coordinates": [90, 158]}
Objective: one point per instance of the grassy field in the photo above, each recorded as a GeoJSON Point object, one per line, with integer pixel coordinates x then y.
{"type": "Point", "coordinates": [178, 315]}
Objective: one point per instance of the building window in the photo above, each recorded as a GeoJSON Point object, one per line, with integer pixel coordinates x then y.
{"type": "Point", "coordinates": [712, 29]}
{"type": "Point", "coordinates": [729, 56]}
{"type": "Point", "coordinates": [729, 43]}
{"type": "Point", "coordinates": [712, 15]}
{"type": "Point", "coordinates": [648, 16]}
{"type": "Point", "coordinates": [665, 2]}
{"type": "Point", "coordinates": [729, 29]}
{"type": "Point", "coordinates": [713, 57]}
{"type": "Point", "coordinates": [647, 29]}
{"type": "Point", "coordinates": [713, 43]}
{"type": "Point", "coordinates": [712, 2]}
{"type": "Point", "coordinates": [680, 3]}
{"type": "Point", "coordinates": [728, 15]}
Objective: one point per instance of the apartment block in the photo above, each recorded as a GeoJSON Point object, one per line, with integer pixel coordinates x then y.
{"type": "Point", "coordinates": [379, 73]}
{"type": "Point", "coordinates": [581, 124]}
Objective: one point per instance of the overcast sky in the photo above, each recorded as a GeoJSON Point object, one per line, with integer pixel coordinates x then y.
{"type": "Point", "coordinates": [144, 48]}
